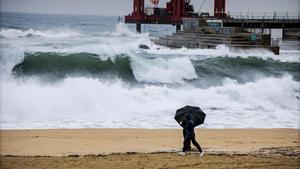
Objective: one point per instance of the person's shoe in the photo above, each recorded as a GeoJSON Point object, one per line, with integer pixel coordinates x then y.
{"type": "Point", "coordinates": [202, 154]}
{"type": "Point", "coordinates": [182, 153]}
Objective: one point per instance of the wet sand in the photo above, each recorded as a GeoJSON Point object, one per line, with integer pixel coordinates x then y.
{"type": "Point", "coordinates": [154, 161]}
{"type": "Point", "coordinates": [142, 148]}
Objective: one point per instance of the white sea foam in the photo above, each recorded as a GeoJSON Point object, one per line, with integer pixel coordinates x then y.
{"type": "Point", "coordinates": [82, 102]}
{"type": "Point", "coordinates": [124, 41]}
{"type": "Point", "coordinates": [10, 56]}
{"type": "Point", "coordinates": [163, 70]}
{"type": "Point", "coordinates": [116, 42]}
{"type": "Point", "coordinates": [122, 30]}
{"type": "Point", "coordinates": [224, 51]}
{"type": "Point", "coordinates": [59, 33]}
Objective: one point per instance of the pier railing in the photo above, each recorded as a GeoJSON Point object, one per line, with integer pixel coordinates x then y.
{"type": "Point", "coordinates": [264, 15]}
{"type": "Point", "coordinates": [262, 20]}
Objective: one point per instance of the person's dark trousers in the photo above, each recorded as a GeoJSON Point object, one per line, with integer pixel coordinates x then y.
{"type": "Point", "coordinates": [188, 146]}
{"type": "Point", "coordinates": [187, 142]}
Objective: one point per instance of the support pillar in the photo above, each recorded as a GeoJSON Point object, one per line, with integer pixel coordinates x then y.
{"type": "Point", "coordinates": [138, 13]}
{"type": "Point", "coordinates": [178, 27]}
{"type": "Point", "coordinates": [243, 25]}
{"type": "Point", "coordinates": [283, 31]}
{"type": "Point", "coordinates": [262, 28]}
{"type": "Point", "coordinates": [138, 27]}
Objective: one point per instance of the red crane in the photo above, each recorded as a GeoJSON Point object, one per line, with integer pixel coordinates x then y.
{"type": "Point", "coordinates": [173, 13]}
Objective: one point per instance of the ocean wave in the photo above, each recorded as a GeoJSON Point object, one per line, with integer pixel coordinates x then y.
{"type": "Point", "coordinates": [139, 68]}
{"type": "Point", "coordinates": [16, 33]}
{"type": "Point", "coordinates": [244, 69]}
{"type": "Point", "coordinates": [90, 72]}
{"type": "Point", "coordinates": [123, 40]}
{"type": "Point", "coordinates": [105, 44]}
{"type": "Point", "coordinates": [87, 102]}
{"type": "Point", "coordinates": [53, 66]}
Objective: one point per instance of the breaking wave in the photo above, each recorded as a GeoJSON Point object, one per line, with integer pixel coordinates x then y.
{"type": "Point", "coordinates": [94, 76]}
{"type": "Point", "coordinates": [154, 69]}
{"type": "Point", "coordinates": [85, 102]}
{"type": "Point", "coordinates": [59, 66]}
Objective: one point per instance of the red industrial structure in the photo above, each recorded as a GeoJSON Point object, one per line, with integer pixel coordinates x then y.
{"type": "Point", "coordinates": [219, 10]}
{"type": "Point", "coordinates": [173, 13]}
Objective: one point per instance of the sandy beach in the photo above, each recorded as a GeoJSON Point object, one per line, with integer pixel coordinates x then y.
{"type": "Point", "coordinates": [144, 148]}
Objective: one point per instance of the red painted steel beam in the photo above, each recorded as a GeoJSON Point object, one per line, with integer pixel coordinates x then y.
{"type": "Point", "coordinates": [219, 8]}
{"type": "Point", "coordinates": [138, 9]}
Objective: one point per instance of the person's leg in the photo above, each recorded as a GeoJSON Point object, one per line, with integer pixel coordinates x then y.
{"type": "Point", "coordinates": [196, 144]}
{"type": "Point", "coordinates": [186, 144]}
{"type": "Point", "coordinates": [184, 135]}
{"type": "Point", "coordinates": [188, 148]}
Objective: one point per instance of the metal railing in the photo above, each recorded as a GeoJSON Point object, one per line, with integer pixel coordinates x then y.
{"type": "Point", "coordinates": [264, 15]}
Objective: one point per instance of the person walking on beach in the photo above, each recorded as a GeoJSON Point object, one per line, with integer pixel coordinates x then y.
{"type": "Point", "coordinates": [188, 127]}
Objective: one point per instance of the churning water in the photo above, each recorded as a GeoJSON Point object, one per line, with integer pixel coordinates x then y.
{"type": "Point", "coordinates": [60, 71]}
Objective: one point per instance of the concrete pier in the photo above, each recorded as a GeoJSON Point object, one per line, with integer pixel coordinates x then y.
{"type": "Point", "coordinates": [196, 35]}
{"type": "Point", "coordinates": [291, 34]}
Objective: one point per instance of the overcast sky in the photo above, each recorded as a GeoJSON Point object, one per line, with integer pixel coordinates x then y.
{"type": "Point", "coordinates": [122, 7]}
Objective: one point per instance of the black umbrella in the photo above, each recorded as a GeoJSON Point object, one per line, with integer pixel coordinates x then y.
{"type": "Point", "coordinates": [196, 114]}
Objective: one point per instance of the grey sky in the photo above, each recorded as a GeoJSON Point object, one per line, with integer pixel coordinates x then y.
{"type": "Point", "coordinates": [122, 7]}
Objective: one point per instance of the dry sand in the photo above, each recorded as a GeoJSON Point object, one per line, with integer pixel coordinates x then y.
{"type": "Point", "coordinates": [139, 148]}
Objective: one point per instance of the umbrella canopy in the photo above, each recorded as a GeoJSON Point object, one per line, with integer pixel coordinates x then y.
{"type": "Point", "coordinates": [196, 114]}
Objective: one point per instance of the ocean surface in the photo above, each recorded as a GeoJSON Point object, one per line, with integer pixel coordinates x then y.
{"type": "Point", "coordinates": [61, 71]}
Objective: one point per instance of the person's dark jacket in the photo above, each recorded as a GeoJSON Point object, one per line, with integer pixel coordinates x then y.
{"type": "Point", "coordinates": [189, 129]}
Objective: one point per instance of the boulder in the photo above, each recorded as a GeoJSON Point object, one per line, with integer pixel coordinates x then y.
{"type": "Point", "coordinates": [142, 46]}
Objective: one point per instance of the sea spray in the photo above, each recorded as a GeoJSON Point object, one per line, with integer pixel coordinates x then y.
{"type": "Point", "coordinates": [163, 70]}
{"type": "Point", "coordinates": [85, 102]}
